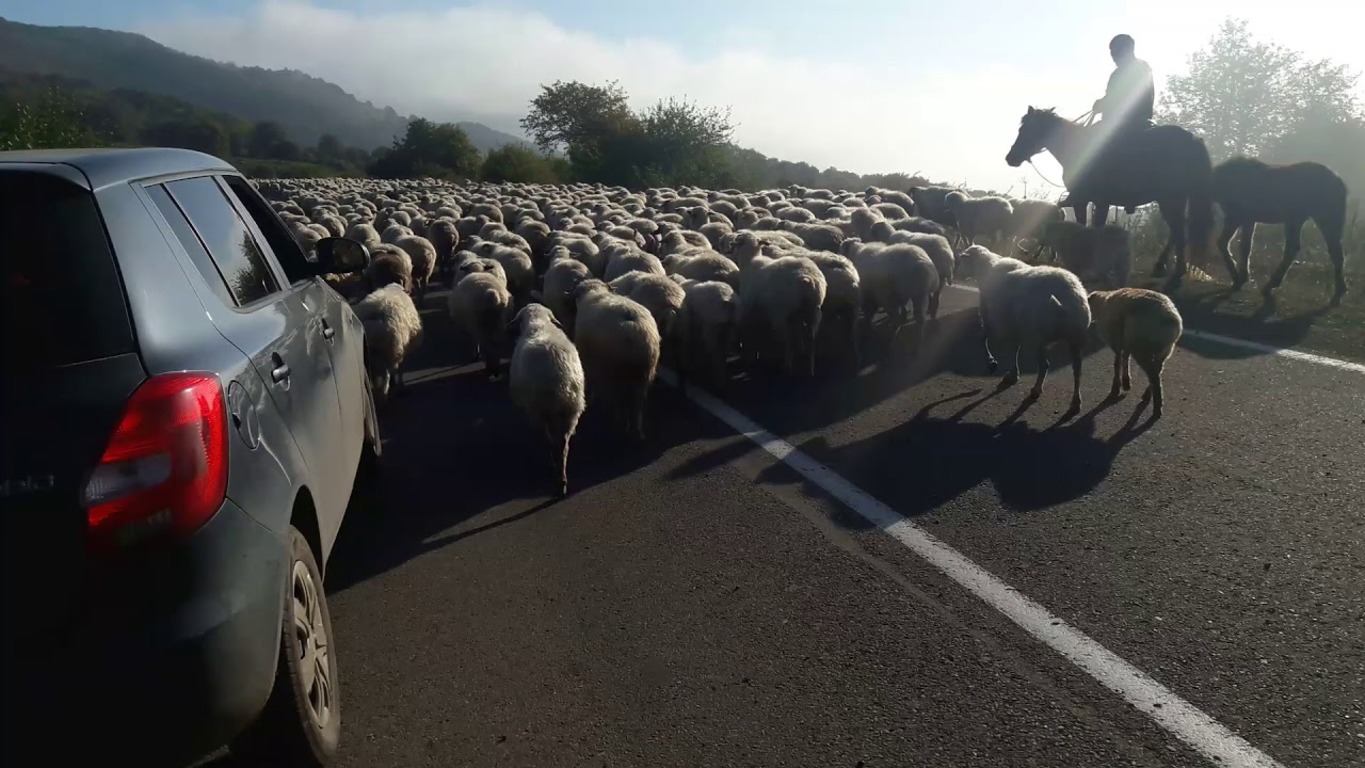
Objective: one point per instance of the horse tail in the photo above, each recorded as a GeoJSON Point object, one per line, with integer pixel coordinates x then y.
{"type": "Point", "coordinates": [1199, 227]}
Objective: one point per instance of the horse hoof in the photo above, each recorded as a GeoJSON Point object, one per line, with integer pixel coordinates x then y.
{"type": "Point", "coordinates": [992, 366]}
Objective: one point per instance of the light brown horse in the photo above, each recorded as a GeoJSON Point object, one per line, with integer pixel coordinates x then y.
{"type": "Point", "coordinates": [1164, 164]}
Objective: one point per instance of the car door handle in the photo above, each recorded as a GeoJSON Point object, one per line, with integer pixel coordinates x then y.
{"type": "Point", "coordinates": [328, 331]}
{"type": "Point", "coordinates": [280, 373]}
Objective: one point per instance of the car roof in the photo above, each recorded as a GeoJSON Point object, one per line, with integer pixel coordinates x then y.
{"type": "Point", "coordinates": [106, 166]}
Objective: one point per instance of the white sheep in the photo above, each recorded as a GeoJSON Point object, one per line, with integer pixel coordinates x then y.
{"type": "Point", "coordinates": [892, 276]}
{"type": "Point", "coordinates": [843, 298]}
{"type": "Point", "coordinates": [480, 305]}
{"type": "Point", "coordinates": [619, 344]}
{"type": "Point", "coordinates": [658, 294]}
{"type": "Point", "coordinates": [1028, 307]}
{"type": "Point", "coordinates": [783, 300]}
{"type": "Point", "coordinates": [423, 255]}
{"type": "Point", "coordinates": [545, 378]}
{"type": "Point", "coordinates": [393, 330]}
{"type": "Point", "coordinates": [975, 217]}
{"type": "Point", "coordinates": [706, 328]}
{"type": "Point", "coordinates": [561, 278]}
{"type": "Point", "coordinates": [703, 265]}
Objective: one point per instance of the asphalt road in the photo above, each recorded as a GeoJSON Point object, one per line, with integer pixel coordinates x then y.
{"type": "Point", "coordinates": [697, 603]}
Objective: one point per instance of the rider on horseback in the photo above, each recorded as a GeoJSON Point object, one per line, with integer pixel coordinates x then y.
{"type": "Point", "coordinates": [1130, 98]}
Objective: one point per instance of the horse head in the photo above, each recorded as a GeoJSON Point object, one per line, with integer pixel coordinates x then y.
{"type": "Point", "coordinates": [1035, 130]}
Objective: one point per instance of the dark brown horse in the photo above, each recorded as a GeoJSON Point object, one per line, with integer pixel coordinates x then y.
{"type": "Point", "coordinates": [1252, 192]}
{"type": "Point", "coordinates": [1164, 164]}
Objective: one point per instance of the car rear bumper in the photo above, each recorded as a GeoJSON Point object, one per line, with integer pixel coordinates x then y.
{"type": "Point", "coordinates": [178, 653]}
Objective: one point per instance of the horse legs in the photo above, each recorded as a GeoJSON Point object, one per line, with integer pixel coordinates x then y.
{"type": "Point", "coordinates": [1230, 226]}
{"type": "Point", "coordinates": [1244, 255]}
{"type": "Point", "coordinates": [1174, 214]}
{"type": "Point", "coordinates": [1331, 232]}
{"type": "Point", "coordinates": [1293, 231]}
{"type": "Point", "coordinates": [1163, 262]}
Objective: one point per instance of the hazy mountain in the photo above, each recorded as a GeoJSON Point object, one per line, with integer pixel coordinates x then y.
{"type": "Point", "coordinates": [305, 106]}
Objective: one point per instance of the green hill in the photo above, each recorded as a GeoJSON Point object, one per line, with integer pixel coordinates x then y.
{"type": "Point", "coordinates": [305, 106]}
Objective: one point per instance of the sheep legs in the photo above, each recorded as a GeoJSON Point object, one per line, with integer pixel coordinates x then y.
{"type": "Point", "coordinates": [1152, 368]}
{"type": "Point", "coordinates": [991, 365]}
{"type": "Point", "coordinates": [1123, 380]}
{"type": "Point", "coordinates": [559, 444]}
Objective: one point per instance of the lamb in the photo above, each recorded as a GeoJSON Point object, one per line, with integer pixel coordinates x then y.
{"type": "Point", "coordinates": [480, 304]}
{"type": "Point", "coordinates": [1137, 323]}
{"type": "Point", "coordinates": [988, 216]}
{"type": "Point", "coordinates": [892, 275]}
{"type": "Point", "coordinates": [619, 343]}
{"type": "Point", "coordinates": [546, 381]}
{"type": "Point", "coordinates": [705, 328]}
{"type": "Point", "coordinates": [1028, 306]}
{"type": "Point", "coordinates": [783, 300]}
{"type": "Point", "coordinates": [393, 330]}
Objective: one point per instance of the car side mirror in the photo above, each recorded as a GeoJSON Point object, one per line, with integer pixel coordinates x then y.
{"type": "Point", "coordinates": [341, 255]}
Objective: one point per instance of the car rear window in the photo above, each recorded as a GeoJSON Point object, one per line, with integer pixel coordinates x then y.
{"type": "Point", "coordinates": [63, 301]}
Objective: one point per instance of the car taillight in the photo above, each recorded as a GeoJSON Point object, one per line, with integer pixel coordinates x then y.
{"type": "Point", "coordinates": [164, 470]}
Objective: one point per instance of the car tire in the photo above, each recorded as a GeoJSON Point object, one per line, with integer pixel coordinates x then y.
{"type": "Point", "coordinates": [301, 722]}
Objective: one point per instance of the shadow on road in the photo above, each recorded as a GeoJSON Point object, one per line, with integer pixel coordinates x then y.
{"type": "Point", "coordinates": [929, 460]}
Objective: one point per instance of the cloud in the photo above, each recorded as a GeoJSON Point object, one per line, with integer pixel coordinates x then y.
{"type": "Point", "coordinates": [859, 113]}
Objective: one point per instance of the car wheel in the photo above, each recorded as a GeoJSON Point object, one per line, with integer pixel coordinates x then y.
{"type": "Point", "coordinates": [301, 722]}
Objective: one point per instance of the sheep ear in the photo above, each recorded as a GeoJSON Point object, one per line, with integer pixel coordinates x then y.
{"type": "Point", "coordinates": [555, 320]}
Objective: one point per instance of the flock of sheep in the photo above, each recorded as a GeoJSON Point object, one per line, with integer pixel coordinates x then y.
{"type": "Point", "coordinates": [593, 287]}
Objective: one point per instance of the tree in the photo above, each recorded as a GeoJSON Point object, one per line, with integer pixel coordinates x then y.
{"type": "Point", "coordinates": [1244, 96]}
{"type": "Point", "coordinates": [329, 147]}
{"type": "Point", "coordinates": [675, 141]}
{"type": "Point", "coordinates": [51, 121]}
{"type": "Point", "coordinates": [518, 163]}
{"type": "Point", "coordinates": [574, 114]}
{"type": "Point", "coordinates": [199, 135]}
{"type": "Point", "coordinates": [265, 139]}
{"type": "Point", "coordinates": [439, 150]}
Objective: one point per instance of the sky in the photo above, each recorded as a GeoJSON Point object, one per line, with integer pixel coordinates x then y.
{"type": "Point", "coordinates": [872, 86]}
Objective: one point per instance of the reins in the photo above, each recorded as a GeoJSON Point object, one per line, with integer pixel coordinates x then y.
{"type": "Point", "coordinates": [1088, 117]}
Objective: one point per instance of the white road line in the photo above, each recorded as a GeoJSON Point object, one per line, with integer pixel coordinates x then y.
{"type": "Point", "coordinates": [1255, 346]}
{"type": "Point", "coordinates": [1182, 719]}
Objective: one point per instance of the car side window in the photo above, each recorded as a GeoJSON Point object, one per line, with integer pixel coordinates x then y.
{"type": "Point", "coordinates": [185, 234]}
{"type": "Point", "coordinates": [226, 237]}
{"type": "Point", "coordinates": [287, 251]}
